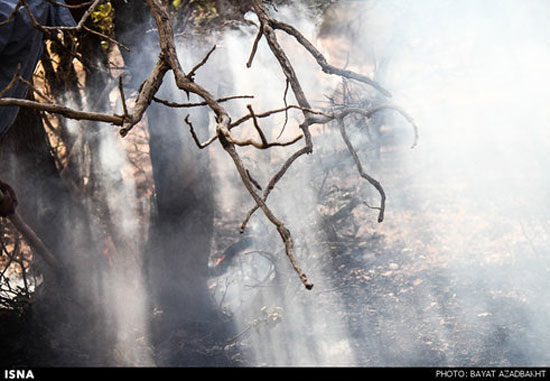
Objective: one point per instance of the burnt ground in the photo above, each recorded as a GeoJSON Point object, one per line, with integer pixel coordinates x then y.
{"type": "Point", "coordinates": [446, 280]}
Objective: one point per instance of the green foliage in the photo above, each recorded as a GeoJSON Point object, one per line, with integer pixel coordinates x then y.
{"type": "Point", "coordinates": [197, 14]}
{"type": "Point", "coordinates": [102, 20]}
{"type": "Point", "coordinates": [204, 13]}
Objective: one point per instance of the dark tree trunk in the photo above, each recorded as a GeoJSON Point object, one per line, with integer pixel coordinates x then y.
{"type": "Point", "coordinates": [181, 232]}
{"type": "Point", "coordinates": [181, 236]}
{"type": "Point", "coordinates": [64, 327]}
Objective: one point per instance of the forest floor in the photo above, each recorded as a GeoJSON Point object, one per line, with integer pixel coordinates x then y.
{"type": "Point", "coordinates": [445, 280]}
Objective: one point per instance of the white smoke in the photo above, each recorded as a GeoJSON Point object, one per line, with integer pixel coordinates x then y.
{"type": "Point", "coordinates": [471, 212]}
{"type": "Point", "coordinates": [474, 76]}
{"type": "Point", "coordinates": [277, 319]}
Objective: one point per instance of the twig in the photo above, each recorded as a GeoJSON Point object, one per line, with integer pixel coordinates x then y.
{"type": "Point", "coordinates": [371, 206]}
{"type": "Point", "coordinates": [369, 112]}
{"type": "Point", "coordinates": [194, 135]}
{"type": "Point", "coordinates": [197, 104]}
{"type": "Point", "coordinates": [361, 171]}
{"type": "Point", "coordinates": [286, 111]}
{"type": "Point", "coordinates": [104, 36]}
{"type": "Point", "coordinates": [122, 97]}
{"type": "Point", "coordinates": [255, 46]}
{"type": "Point", "coordinates": [34, 21]}
{"type": "Point", "coordinates": [265, 114]}
{"type": "Point", "coordinates": [146, 94]}
{"type": "Point", "coordinates": [280, 55]}
{"type": "Point", "coordinates": [12, 82]}
{"type": "Point", "coordinates": [254, 182]}
{"type": "Point", "coordinates": [262, 145]}
{"type": "Point", "coordinates": [275, 179]}
{"type": "Point", "coordinates": [191, 74]}
{"type": "Point", "coordinates": [257, 126]}
{"type": "Point", "coordinates": [283, 231]}
{"type": "Point", "coordinates": [321, 60]}
{"type": "Point", "coordinates": [11, 258]}
{"type": "Point", "coordinates": [34, 89]}
{"type": "Point", "coordinates": [12, 14]}
{"type": "Point", "coordinates": [76, 28]}
{"type": "Point", "coordinates": [272, 183]}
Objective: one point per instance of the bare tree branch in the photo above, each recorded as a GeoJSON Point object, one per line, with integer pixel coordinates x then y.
{"type": "Point", "coordinates": [321, 60]}
{"type": "Point", "coordinates": [34, 89]}
{"type": "Point", "coordinates": [255, 46]}
{"type": "Point", "coordinates": [168, 53]}
{"type": "Point", "coordinates": [47, 29]}
{"type": "Point", "coordinates": [122, 97]}
{"type": "Point", "coordinates": [13, 13]}
{"type": "Point", "coordinates": [63, 110]}
{"type": "Point", "coordinates": [369, 112]}
{"type": "Point", "coordinates": [257, 126]}
{"type": "Point", "coordinates": [274, 180]}
{"type": "Point", "coordinates": [265, 114]}
{"type": "Point", "coordinates": [361, 171]}
{"type": "Point", "coordinates": [104, 36]}
{"type": "Point", "coordinates": [191, 74]}
{"type": "Point", "coordinates": [197, 104]}
{"type": "Point", "coordinates": [195, 137]}
{"type": "Point", "coordinates": [262, 145]}
{"type": "Point", "coordinates": [168, 61]}
{"type": "Point", "coordinates": [12, 82]}
{"type": "Point", "coordinates": [287, 83]}
{"type": "Point", "coordinates": [146, 94]}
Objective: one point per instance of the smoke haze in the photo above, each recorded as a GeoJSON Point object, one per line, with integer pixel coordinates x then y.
{"type": "Point", "coordinates": [458, 272]}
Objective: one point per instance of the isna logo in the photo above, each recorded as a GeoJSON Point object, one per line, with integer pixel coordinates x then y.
{"type": "Point", "coordinates": [18, 374]}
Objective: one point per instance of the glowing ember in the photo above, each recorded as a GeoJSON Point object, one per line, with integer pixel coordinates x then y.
{"type": "Point", "coordinates": [220, 259]}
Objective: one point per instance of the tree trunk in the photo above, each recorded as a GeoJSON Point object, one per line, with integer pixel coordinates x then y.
{"type": "Point", "coordinates": [64, 327]}
{"type": "Point", "coordinates": [187, 324]}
